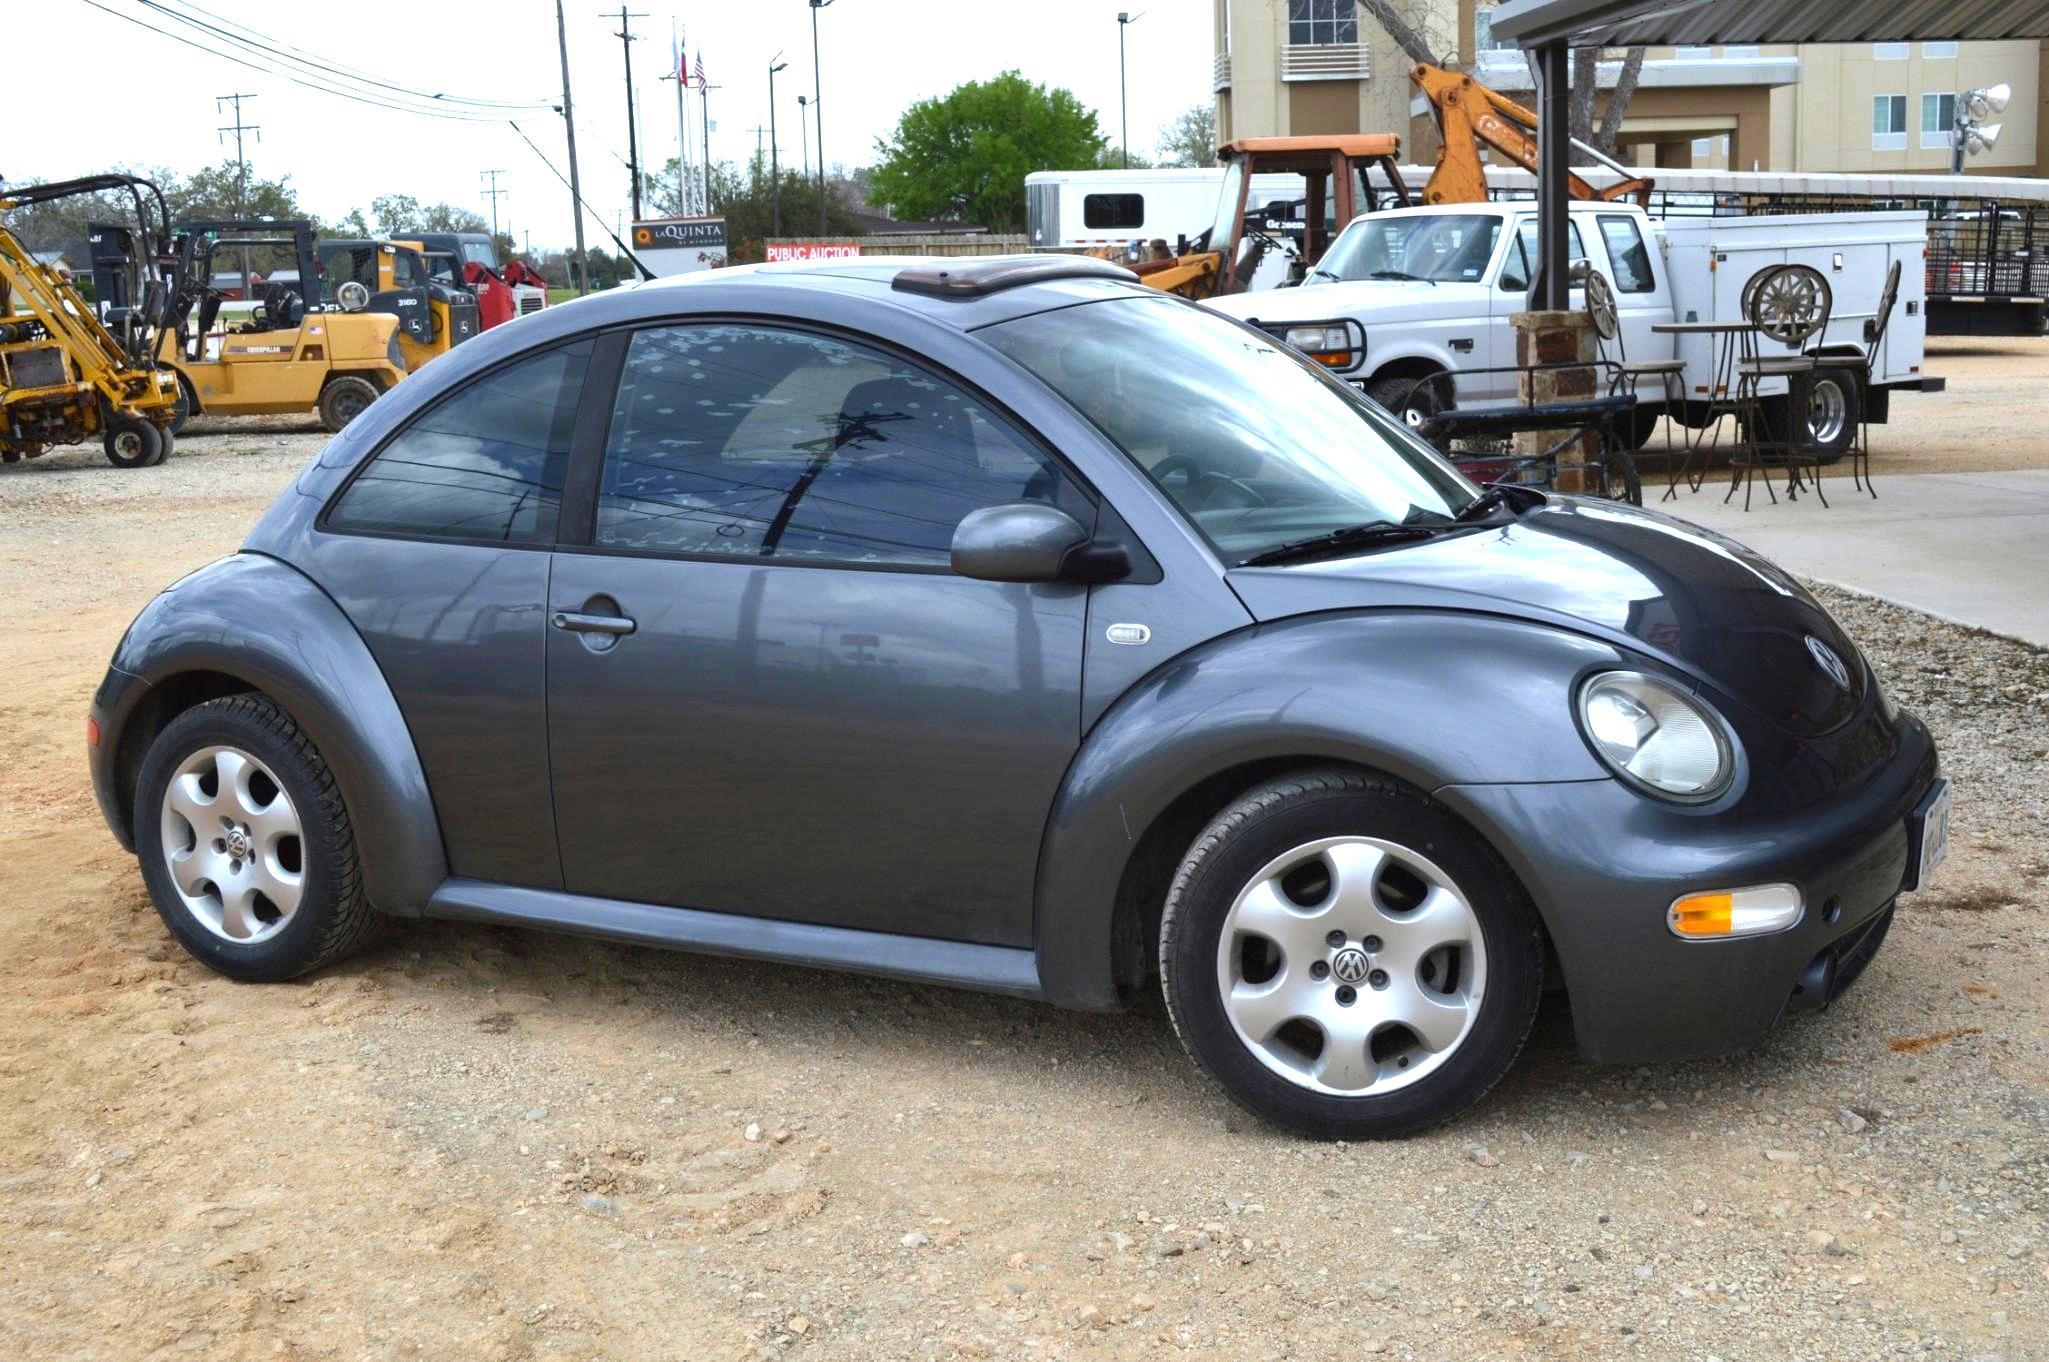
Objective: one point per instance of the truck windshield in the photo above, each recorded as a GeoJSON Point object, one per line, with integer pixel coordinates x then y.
{"type": "Point", "coordinates": [1441, 247]}
{"type": "Point", "coordinates": [1219, 237]}
{"type": "Point", "coordinates": [1256, 445]}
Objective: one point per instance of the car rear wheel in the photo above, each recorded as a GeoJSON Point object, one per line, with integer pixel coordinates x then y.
{"type": "Point", "coordinates": [245, 845]}
{"type": "Point", "coordinates": [1347, 959]}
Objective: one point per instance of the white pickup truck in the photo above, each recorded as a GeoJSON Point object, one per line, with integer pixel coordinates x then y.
{"type": "Point", "coordinates": [1433, 289]}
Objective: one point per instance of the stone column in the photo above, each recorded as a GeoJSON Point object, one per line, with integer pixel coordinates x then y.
{"type": "Point", "coordinates": [1555, 338]}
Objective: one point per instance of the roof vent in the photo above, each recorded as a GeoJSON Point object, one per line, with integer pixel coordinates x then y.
{"type": "Point", "coordinates": [978, 278]}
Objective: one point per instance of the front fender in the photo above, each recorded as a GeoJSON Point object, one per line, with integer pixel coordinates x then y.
{"type": "Point", "coordinates": [1433, 698]}
{"type": "Point", "coordinates": [261, 622]}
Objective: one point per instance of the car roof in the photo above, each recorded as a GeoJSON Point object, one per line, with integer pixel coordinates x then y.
{"type": "Point", "coordinates": [968, 292]}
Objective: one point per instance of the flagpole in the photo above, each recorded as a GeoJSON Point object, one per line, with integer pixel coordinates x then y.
{"type": "Point", "coordinates": [682, 79]}
{"type": "Point", "coordinates": [704, 110]}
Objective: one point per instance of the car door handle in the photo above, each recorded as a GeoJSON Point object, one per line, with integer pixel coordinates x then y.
{"type": "Point", "coordinates": [577, 623]}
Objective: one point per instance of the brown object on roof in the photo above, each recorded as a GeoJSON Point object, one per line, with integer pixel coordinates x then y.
{"type": "Point", "coordinates": [1358, 144]}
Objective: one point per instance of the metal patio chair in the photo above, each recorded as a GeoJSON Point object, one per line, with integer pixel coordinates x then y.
{"type": "Point", "coordinates": [1628, 375]}
{"type": "Point", "coordinates": [1863, 367]}
{"type": "Point", "coordinates": [1787, 305]}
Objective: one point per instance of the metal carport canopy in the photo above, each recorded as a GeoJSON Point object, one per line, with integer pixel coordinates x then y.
{"type": "Point", "coordinates": [1547, 28]}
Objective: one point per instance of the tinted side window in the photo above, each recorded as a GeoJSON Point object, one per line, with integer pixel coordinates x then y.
{"type": "Point", "coordinates": [1627, 254]}
{"type": "Point", "coordinates": [1103, 212]}
{"type": "Point", "coordinates": [483, 463]}
{"type": "Point", "coordinates": [757, 442]}
{"type": "Point", "coordinates": [1522, 253]}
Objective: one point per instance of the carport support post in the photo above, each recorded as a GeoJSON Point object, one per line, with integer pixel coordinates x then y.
{"type": "Point", "coordinates": [1556, 338]}
{"type": "Point", "coordinates": [1550, 291]}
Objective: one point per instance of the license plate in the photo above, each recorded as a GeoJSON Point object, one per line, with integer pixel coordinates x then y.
{"type": "Point", "coordinates": [1934, 829]}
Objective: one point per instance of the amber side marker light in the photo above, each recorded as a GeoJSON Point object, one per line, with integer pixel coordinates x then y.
{"type": "Point", "coordinates": [1727, 913]}
{"type": "Point", "coordinates": [92, 731]}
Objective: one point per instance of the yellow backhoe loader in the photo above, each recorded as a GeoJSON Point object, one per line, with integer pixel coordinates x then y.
{"type": "Point", "coordinates": [1469, 116]}
{"type": "Point", "coordinates": [65, 376]}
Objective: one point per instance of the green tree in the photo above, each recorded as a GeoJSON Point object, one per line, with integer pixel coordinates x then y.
{"type": "Point", "coordinates": [354, 224]}
{"type": "Point", "coordinates": [966, 156]}
{"type": "Point", "coordinates": [1191, 139]}
{"type": "Point", "coordinates": [215, 191]}
{"type": "Point", "coordinates": [1114, 158]}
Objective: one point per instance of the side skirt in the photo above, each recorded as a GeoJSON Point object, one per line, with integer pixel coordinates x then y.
{"type": "Point", "coordinates": [960, 964]}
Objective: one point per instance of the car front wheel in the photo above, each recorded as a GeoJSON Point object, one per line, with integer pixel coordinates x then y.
{"type": "Point", "coordinates": [1347, 959]}
{"type": "Point", "coordinates": [245, 844]}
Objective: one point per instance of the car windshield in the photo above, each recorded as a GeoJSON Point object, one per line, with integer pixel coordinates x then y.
{"type": "Point", "coordinates": [1258, 446]}
{"type": "Point", "coordinates": [1441, 247]}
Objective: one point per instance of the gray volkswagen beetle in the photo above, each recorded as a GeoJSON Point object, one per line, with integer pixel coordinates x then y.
{"type": "Point", "coordinates": [1009, 625]}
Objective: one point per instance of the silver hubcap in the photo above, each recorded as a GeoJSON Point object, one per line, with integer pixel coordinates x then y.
{"type": "Point", "coordinates": [232, 844]}
{"type": "Point", "coordinates": [1826, 408]}
{"type": "Point", "coordinates": [1351, 966]}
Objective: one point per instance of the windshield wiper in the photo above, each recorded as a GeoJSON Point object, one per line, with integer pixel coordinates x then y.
{"type": "Point", "coordinates": [1339, 540]}
{"type": "Point", "coordinates": [1493, 495]}
{"type": "Point", "coordinates": [1398, 274]}
{"type": "Point", "coordinates": [1318, 269]}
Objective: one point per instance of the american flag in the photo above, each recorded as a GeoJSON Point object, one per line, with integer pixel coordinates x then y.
{"type": "Point", "coordinates": [698, 75]}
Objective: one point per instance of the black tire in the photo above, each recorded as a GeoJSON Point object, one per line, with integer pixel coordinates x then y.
{"type": "Point", "coordinates": [1836, 406]}
{"type": "Point", "coordinates": [167, 441]}
{"type": "Point", "coordinates": [1413, 401]}
{"type": "Point", "coordinates": [1643, 425]}
{"type": "Point", "coordinates": [345, 397]}
{"type": "Point", "coordinates": [1293, 811]}
{"type": "Point", "coordinates": [132, 442]}
{"type": "Point", "coordinates": [182, 412]}
{"type": "Point", "coordinates": [333, 915]}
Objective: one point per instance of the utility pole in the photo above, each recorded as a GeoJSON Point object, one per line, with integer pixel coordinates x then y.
{"type": "Point", "coordinates": [580, 266]}
{"type": "Point", "coordinates": [494, 193]}
{"type": "Point", "coordinates": [625, 37]}
{"type": "Point", "coordinates": [758, 132]}
{"type": "Point", "coordinates": [817, 111]}
{"type": "Point", "coordinates": [238, 127]}
{"type": "Point", "coordinates": [775, 171]}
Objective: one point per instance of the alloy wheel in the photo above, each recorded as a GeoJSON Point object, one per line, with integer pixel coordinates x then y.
{"type": "Point", "coordinates": [233, 844]}
{"type": "Point", "coordinates": [1351, 966]}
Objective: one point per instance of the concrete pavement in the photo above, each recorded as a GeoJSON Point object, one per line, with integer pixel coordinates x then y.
{"type": "Point", "coordinates": [1969, 547]}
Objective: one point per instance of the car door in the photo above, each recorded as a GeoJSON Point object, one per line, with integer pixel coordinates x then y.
{"type": "Point", "coordinates": [768, 693]}
{"type": "Point", "coordinates": [437, 550]}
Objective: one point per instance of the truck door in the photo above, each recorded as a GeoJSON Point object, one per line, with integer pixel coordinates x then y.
{"type": "Point", "coordinates": [1642, 293]}
{"type": "Point", "coordinates": [1511, 295]}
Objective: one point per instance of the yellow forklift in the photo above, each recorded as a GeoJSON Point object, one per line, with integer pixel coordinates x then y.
{"type": "Point", "coordinates": [422, 288]}
{"type": "Point", "coordinates": [66, 375]}
{"type": "Point", "coordinates": [283, 355]}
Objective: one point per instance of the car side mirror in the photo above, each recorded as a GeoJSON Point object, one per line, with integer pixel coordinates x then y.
{"type": "Point", "coordinates": [1578, 271]}
{"type": "Point", "coordinates": [1029, 541]}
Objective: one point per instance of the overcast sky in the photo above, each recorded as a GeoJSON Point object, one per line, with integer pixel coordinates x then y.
{"type": "Point", "coordinates": [112, 92]}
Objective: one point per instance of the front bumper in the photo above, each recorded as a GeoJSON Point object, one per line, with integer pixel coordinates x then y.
{"type": "Point", "coordinates": [1603, 864]}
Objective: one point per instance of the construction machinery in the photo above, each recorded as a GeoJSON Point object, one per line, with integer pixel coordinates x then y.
{"type": "Point", "coordinates": [288, 355]}
{"type": "Point", "coordinates": [421, 287]}
{"type": "Point", "coordinates": [1337, 184]}
{"type": "Point", "coordinates": [1470, 116]}
{"type": "Point", "coordinates": [65, 376]}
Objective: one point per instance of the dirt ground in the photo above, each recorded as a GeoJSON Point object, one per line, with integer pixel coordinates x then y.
{"type": "Point", "coordinates": [481, 1144]}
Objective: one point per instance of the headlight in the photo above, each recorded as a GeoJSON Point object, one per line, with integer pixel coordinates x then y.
{"type": "Point", "coordinates": [1333, 344]}
{"type": "Point", "coordinates": [1317, 338]}
{"type": "Point", "coordinates": [1655, 736]}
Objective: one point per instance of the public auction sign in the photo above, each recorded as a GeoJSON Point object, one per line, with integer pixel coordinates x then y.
{"type": "Point", "coordinates": [813, 250]}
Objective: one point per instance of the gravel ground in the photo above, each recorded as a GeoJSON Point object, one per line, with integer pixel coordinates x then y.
{"type": "Point", "coordinates": [468, 1142]}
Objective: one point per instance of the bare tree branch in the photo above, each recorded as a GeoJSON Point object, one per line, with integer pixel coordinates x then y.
{"type": "Point", "coordinates": [1396, 25]}
{"type": "Point", "coordinates": [1618, 100]}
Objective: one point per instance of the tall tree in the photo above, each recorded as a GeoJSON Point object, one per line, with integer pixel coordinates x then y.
{"type": "Point", "coordinates": [1191, 139]}
{"type": "Point", "coordinates": [965, 156]}
{"type": "Point", "coordinates": [1408, 28]}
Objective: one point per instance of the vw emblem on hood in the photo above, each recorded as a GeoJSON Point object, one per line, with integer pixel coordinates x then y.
{"type": "Point", "coordinates": [1825, 658]}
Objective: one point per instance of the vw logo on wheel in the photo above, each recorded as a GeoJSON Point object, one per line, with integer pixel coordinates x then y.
{"type": "Point", "coordinates": [1349, 965]}
{"type": "Point", "coordinates": [1825, 658]}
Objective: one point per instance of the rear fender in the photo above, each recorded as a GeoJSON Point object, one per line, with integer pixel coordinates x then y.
{"type": "Point", "coordinates": [1431, 698]}
{"type": "Point", "coordinates": [251, 619]}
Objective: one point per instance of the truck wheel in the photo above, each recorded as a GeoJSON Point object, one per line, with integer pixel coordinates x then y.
{"type": "Point", "coordinates": [182, 412]}
{"type": "Point", "coordinates": [1833, 409]}
{"type": "Point", "coordinates": [132, 442]}
{"type": "Point", "coordinates": [245, 844]}
{"type": "Point", "coordinates": [167, 441]}
{"type": "Point", "coordinates": [1347, 959]}
{"type": "Point", "coordinates": [1414, 400]}
{"type": "Point", "coordinates": [345, 397]}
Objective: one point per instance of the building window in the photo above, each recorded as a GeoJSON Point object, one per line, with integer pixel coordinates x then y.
{"type": "Point", "coordinates": [1890, 51]}
{"type": "Point", "coordinates": [1938, 113]}
{"type": "Point", "coordinates": [1483, 34]}
{"type": "Point", "coordinates": [1938, 51]}
{"type": "Point", "coordinates": [1888, 122]}
{"type": "Point", "coordinates": [1317, 23]}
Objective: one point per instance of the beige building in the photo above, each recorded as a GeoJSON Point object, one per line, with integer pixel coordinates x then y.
{"type": "Point", "coordinates": [1320, 66]}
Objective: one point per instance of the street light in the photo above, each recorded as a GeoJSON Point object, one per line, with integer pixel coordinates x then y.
{"type": "Point", "coordinates": [1124, 20]}
{"type": "Point", "coordinates": [817, 112]}
{"type": "Point", "coordinates": [775, 174]}
{"type": "Point", "coordinates": [1971, 134]}
{"type": "Point", "coordinates": [803, 127]}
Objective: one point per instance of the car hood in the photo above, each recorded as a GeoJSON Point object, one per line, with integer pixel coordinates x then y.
{"type": "Point", "coordinates": [1701, 603]}
{"type": "Point", "coordinates": [1369, 300]}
